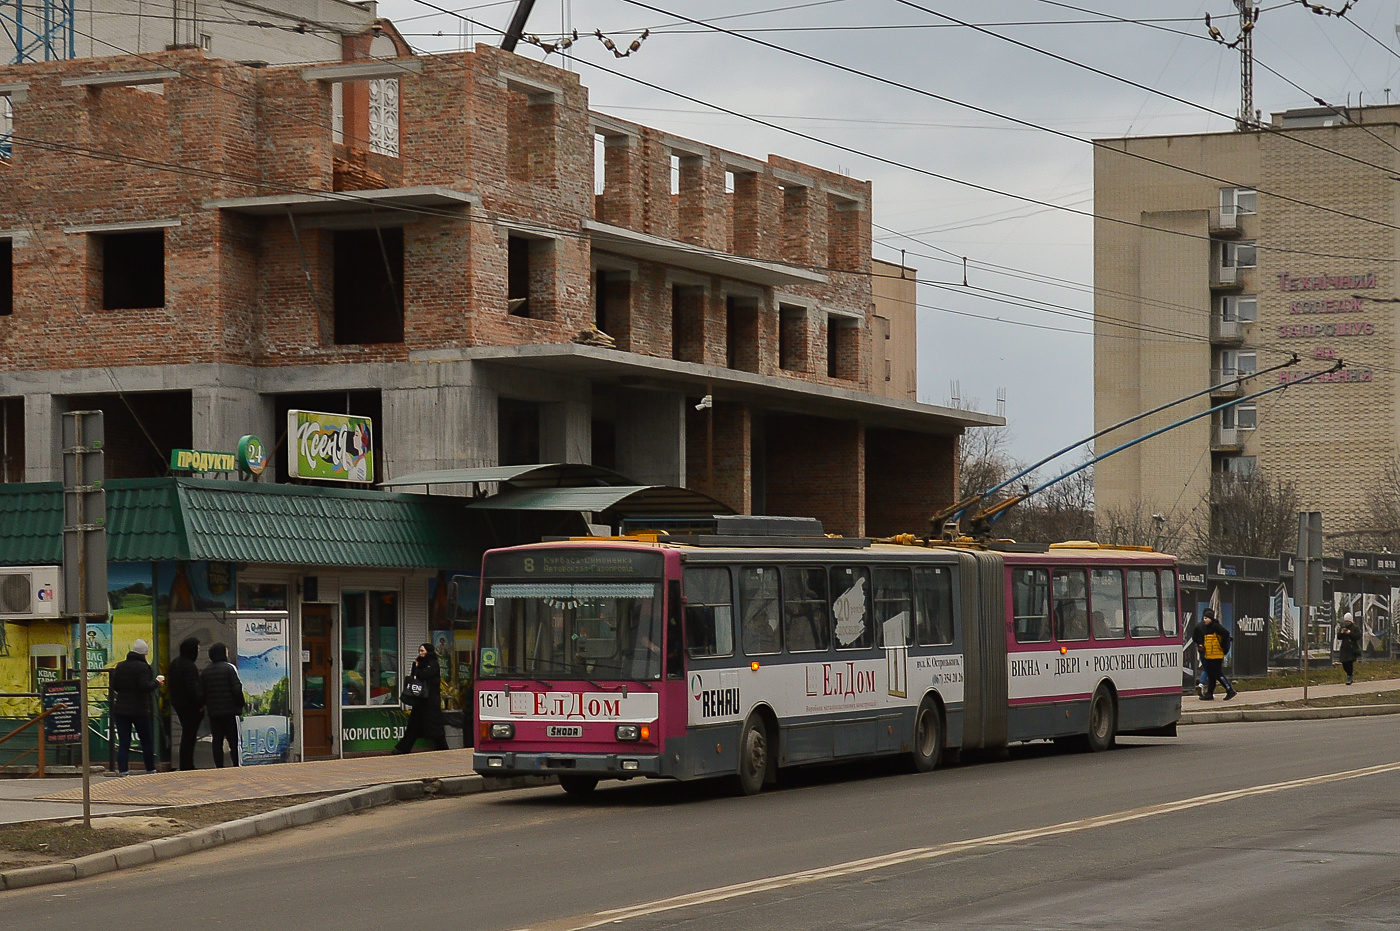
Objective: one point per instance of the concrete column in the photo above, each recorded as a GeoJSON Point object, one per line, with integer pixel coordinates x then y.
{"type": "Point", "coordinates": [651, 437]}
{"type": "Point", "coordinates": [566, 431]}
{"type": "Point", "coordinates": [221, 415]}
{"type": "Point", "coordinates": [437, 427]}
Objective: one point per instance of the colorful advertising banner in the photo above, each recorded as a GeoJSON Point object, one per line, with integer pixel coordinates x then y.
{"type": "Point", "coordinates": [262, 665]}
{"type": "Point", "coordinates": [330, 447]}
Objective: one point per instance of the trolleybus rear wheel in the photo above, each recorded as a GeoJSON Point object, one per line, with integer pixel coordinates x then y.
{"type": "Point", "coordinates": [578, 785]}
{"type": "Point", "coordinates": [928, 737]}
{"type": "Point", "coordinates": [1103, 722]}
{"type": "Point", "coordinates": [753, 756]}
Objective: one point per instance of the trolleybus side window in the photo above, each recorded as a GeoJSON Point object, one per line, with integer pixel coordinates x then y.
{"type": "Point", "coordinates": [709, 612]}
{"type": "Point", "coordinates": [675, 652]}
{"type": "Point", "coordinates": [933, 603]}
{"type": "Point", "coordinates": [759, 610]}
{"type": "Point", "coordinates": [893, 594]}
{"type": "Point", "coordinates": [1030, 605]}
{"type": "Point", "coordinates": [806, 610]}
{"type": "Point", "coordinates": [1169, 602]}
{"type": "Point", "coordinates": [1107, 604]}
{"type": "Point", "coordinates": [1144, 613]}
{"type": "Point", "coordinates": [1071, 589]}
{"type": "Point", "coordinates": [850, 607]}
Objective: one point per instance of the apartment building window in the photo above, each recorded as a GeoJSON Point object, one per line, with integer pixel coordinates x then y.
{"type": "Point", "coordinates": [741, 333]}
{"type": "Point", "coordinates": [368, 286]}
{"type": "Point", "coordinates": [1241, 468]}
{"type": "Point", "coordinates": [1241, 308]}
{"type": "Point", "coordinates": [687, 323]}
{"type": "Point", "coordinates": [520, 273]}
{"type": "Point", "coordinates": [1238, 363]}
{"type": "Point", "coordinates": [133, 269]}
{"type": "Point", "coordinates": [1238, 201]}
{"type": "Point", "coordinates": [7, 277]}
{"type": "Point", "coordinates": [1238, 254]}
{"type": "Point", "coordinates": [1240, 417]}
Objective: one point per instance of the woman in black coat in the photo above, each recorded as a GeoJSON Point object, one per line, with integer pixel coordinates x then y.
{"type": "Point", "coordinates": [425, 720]}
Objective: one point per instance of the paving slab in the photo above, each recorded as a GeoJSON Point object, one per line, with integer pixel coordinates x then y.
{"type": "Point", "coordinates": [235, 783]}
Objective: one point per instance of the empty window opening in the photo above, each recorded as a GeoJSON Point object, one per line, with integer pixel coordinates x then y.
{"type": "Point", "coordinates": [529, 128]}
{"type": "Point", "coordinates": [357, 403]}
{"type": "Point", "coordinates": [7, 277]}
{"type": "Point", "coordinates": [729, 182]}
{"type": "Point", "coordinates": [675, 175]}
{"type": "Point", "coordinates": [792, 338]}
{"type": "Point", "coordinates": [797, 235]}
{"type": "Point", "coordinates": [612, 305]}
{"type": "Point", "coordinates": [604, 444]}
{"type": "Point", "coordinates": [687, 323]}
{"type": "Point", "coordinates": [842, 348]}
{"type": "Point", "coordinates": [140, 429]}
{"type": "Point", "coordinates": [843, 235]}
{"type": "Point", "coordinates": [600, 163]}
{"type": "Point", "coordinates": [518, 276]}
{"type": "Point", "coordinates": [6, 125]}
{"type": "Point", "coordinates": [11, 440]}
{"type": "Point", "coordinates": [517, 432]}
{"type": "Point", "coordinates": [133, 270]}
{"type": "Point", "coordinates": [741, 333]}
{"type": "Point", "coordinates": [368, 286]}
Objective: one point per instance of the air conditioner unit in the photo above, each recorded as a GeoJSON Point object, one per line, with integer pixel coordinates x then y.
{"type": "Point", "coordinates": [30, 591]}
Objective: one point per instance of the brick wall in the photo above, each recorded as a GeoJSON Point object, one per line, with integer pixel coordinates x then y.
{"type": "Point", "coordinates": [908, 476]}
{"type": "Point", "coordinates": [816, 468]}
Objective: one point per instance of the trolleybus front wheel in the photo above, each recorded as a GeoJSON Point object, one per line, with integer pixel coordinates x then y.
{"type": "Point", "coordinates": [1103, 722]}
{"type": "Point", "coordinates": [928, 737]}
{"type": "Point", "coordinates": [578, 785]}
{"type": "Point", "coordinates": [753, 756]}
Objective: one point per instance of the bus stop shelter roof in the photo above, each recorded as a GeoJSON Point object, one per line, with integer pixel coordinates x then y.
{"type": "Point", "coordinates": [623, 501]}
{"type": "Point", "coordinates": [540, 475]}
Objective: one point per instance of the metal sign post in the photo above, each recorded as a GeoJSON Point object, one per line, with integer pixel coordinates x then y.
{"type": "Point", "coordinates": [1307, 580]}
{"type": "Point", "coordinates": [84, 554]}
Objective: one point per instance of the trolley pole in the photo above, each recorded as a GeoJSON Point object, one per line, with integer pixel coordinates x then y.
{"type": "Point", "coordinates": [84, 554]}
{"type": "Point", "coordinates": [1307, 581]}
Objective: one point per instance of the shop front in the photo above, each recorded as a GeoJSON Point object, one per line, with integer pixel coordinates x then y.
{"type": "Point", "coordinates": [320, 595]}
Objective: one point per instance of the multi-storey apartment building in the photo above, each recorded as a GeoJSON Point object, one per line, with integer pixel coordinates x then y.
{"type": "Point", "coordinates": [196, 246]}
{"type": "Point", "coordinates": [1220, 255]}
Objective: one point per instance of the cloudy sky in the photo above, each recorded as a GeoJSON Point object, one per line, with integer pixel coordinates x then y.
{"type": "Point", "coordinates": [945, 170]}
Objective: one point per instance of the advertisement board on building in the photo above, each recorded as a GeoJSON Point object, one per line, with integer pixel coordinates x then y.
{"type": "Point", "coordinates": [330, 447]}
{"type": "Point", "coordinates": [262, 665]}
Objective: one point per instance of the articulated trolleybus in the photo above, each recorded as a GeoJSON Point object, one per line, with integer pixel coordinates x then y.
{"type": "Point", "coordinates": [735, 654]}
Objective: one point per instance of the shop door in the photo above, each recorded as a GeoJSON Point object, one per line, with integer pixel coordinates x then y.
{"type": "Point", "coordinates": [317, 678]}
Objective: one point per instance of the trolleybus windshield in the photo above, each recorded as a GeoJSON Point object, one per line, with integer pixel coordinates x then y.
{"type": "Point", "coordinates": [556, 629]}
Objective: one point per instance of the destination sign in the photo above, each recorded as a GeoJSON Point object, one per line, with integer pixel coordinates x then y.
{"type": "Point", "coordinates": [575, 563]}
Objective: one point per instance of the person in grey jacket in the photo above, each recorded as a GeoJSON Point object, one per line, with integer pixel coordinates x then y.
{"type": "Point", "coordinates": [223, 702]}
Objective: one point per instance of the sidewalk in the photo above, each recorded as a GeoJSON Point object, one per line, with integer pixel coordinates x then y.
{"type": "Point", "coordinates": [36, 799]}
{"type": "Point", "coordinates": [1269, 696]}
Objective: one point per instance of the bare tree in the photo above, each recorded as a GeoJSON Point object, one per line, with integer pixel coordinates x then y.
{"type": "Point", "coordinates": [1382, 531]}
{"type": "Point", "coordinates": [1137, 524]}
{"type": "Point", "coordinates": [1255, 516]}
{"type": "Point", "coordinates": [1064, 511]}
{"type": "Point", "coordinates": [983, 460]}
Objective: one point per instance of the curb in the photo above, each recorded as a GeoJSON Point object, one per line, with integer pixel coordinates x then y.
{"type": "Point", "coordinates": [167, 848]}
{"type": "Point", "coordinates": [1285, 714]}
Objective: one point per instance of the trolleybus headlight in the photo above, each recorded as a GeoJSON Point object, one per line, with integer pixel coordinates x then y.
{"type": "Point", "coordinates": [504, 731]}
{"type": "Point", "coordinates": [629, 732]}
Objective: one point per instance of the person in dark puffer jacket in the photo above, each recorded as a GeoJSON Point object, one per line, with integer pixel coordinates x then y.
{"type": "Point", "coordinates": [187, 698]}
{"type": "Point", "coordinates": [223, 702]}
{"type": "Point", "coordinates": [132, 684]}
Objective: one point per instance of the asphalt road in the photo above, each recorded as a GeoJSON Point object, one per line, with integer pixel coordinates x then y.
{"type": "Point", "coordinates": [1291, 825]}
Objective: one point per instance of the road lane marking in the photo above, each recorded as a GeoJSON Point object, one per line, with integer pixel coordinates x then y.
{"type": "Point", "coordinates": [916, 854]}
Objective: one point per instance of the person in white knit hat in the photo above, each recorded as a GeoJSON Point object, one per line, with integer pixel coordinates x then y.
{"type": "Point", "coordinates": [133, 684]}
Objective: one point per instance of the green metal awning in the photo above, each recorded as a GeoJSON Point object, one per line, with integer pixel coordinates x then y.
{"type": "Point", "coordinates": [623, 501]}
{"type": "Point", "coordinates": [224, 521]}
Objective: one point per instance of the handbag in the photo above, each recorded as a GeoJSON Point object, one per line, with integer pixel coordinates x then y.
{"type": "Point", "coordinates": [413, 692]}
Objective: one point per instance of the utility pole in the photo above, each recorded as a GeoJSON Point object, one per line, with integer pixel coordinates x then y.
{"type": "Point", "coordinates": [1307, 580]}
{"type": "Point", "coordinates": [84, 554]}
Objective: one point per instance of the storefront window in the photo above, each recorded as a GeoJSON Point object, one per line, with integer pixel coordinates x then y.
{"type": "Point", "coordinates": [262, 596]}
{"type": "Point", "coordinates": [370, 648]}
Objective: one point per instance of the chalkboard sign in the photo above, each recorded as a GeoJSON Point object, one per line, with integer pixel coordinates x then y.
{"type": "Point", "coordinates": [65, 724]}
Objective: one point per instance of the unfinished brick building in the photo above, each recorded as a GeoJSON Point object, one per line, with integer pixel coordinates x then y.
{"type": "Point", "coordinates": [195, 246]}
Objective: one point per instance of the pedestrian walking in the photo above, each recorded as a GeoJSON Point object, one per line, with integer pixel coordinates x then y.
{"type": "Point", "coordinates": [1215, 644]}
{"type": "Point", "coordinates": [425, 719]}
{"type": "Point", "coordinates": [132, 684]}
{"type": "Point", "coordinates": [1198, 637]}
{"type": "Point", "coordinates": [187, 698]}
{"type": "Point", "coordinates": [1349, 645]}
{"type": "Point", "coordinates": [223, 702]}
